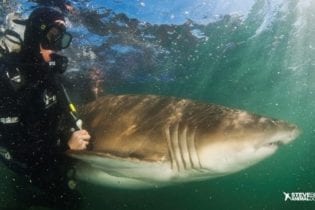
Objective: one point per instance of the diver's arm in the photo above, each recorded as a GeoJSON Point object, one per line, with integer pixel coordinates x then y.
{"type": "Point", "coordinates": [76, 140]}
{"type": "Point", "coordinates": [79, 140]}
{"type": "Point", "coordinates": [74, 137]}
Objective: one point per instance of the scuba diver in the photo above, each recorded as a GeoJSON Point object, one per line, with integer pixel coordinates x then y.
{"type": "Point", "coordinates": [12, 29]}
{"type": "Point", "coordinates": [37, 123]}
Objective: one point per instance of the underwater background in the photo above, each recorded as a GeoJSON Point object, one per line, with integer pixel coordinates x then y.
{"type": "Point", "coordinates": [256, 55]}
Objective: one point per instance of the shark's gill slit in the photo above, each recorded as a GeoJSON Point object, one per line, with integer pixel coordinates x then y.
{"type": "Point", "coordinates": [187, 136]}
{"type": "Point", "coordinates": [174, 141]}
{"type": "Point", "coordinates": [192, 150]}
{"type": "Point", "coordinates": [183, 149]}
{"type": "Point", "coordinates": [196, 152]}
{"type": "Point", "coordinates": [168, 139]}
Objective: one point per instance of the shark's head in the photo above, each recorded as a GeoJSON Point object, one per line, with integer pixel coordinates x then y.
{"type": "Point", "coordinates": [242, 140]}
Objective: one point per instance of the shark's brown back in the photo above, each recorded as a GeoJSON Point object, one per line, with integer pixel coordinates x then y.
{"type": "Point", "coordinates": [138, 125]}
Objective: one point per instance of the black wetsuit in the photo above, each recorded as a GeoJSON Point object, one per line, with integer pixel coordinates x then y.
{"type": "Point", "coordinates": [31, 110]}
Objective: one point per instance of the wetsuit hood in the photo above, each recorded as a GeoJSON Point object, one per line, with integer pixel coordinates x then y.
{"type": "Point", "coordinates": [36, 29]}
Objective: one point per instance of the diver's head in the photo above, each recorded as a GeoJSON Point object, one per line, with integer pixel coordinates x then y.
{"type": "Point", "coordinates": [45, 34]}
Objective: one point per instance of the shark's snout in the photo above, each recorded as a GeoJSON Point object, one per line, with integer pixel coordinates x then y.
{"type": "Point", "coordinates": [284, 133]}
{"type": "Point", "coordinates": [295, 132]}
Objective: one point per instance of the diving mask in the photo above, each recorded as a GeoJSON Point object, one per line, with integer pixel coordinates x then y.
{"type": "Point", "coordinates": [57, 38]}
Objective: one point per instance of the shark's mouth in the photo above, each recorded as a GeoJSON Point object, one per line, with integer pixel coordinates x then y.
{"type": "Point", "coordinates": [274, 144]}
{"type": "Point", "coordinates": [281, 139]}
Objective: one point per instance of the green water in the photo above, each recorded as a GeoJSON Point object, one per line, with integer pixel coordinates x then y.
{"type": "Point", "coordinates": [271, 72]}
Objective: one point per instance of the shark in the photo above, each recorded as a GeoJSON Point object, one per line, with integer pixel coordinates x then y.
{"type": "Point", "coordinates": [150, 141]}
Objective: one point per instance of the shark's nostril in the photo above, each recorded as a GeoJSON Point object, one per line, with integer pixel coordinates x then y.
{"type": "Point", "coordinates": [276, 143]}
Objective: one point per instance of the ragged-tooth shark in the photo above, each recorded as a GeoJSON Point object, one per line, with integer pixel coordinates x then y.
{"type": "Point", "coordinates": [143, 141]}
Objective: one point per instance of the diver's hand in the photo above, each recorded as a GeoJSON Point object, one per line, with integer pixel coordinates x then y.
{"type": "Point", "coordinates": [79, 140]}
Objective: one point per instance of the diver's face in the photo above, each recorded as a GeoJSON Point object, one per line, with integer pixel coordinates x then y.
{"type": "Point", "coordinates": [56, 39]}
{"type": "Point", "coordinates": [46, 54]}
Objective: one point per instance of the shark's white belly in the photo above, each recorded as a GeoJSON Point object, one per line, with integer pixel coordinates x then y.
{"type": "Point", "coordinates": [134, 174]}
{"type": "Point", "coordinates": [122, 173]}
